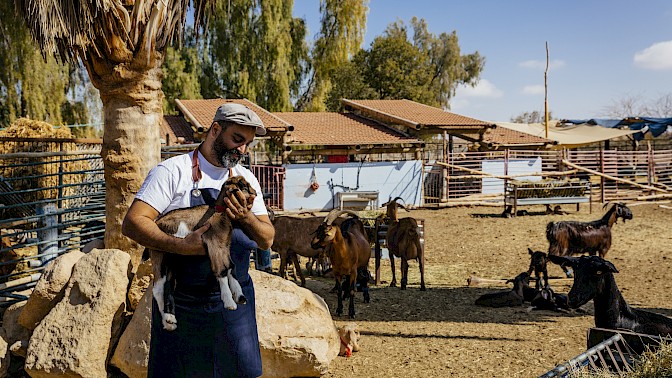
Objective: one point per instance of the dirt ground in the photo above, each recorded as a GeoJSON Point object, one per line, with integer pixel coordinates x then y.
{"type": "Point", "coordinates": [441, 333]}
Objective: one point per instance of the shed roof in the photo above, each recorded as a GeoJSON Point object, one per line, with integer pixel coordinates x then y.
{"type": "Point", "coordinates": [415, 115]}
{"type": "Point", "coordinates": [201, 112]}
{"type": "Point", "coordinates": [176, 127]}
{"type": "Point", "coordinates": [340, 129]}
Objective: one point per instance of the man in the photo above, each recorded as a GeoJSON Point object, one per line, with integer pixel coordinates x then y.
{"type": "Point", "coordinates": [210, 341]}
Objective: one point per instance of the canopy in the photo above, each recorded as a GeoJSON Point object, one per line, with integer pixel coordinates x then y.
{"type": "Point", "coordinates": [568, 136]}
{"type": "Point", "coordinates": [656, 126]}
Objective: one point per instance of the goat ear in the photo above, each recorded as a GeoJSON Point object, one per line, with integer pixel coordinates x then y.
{"type": "Point", "coordinates": [609, 267]}
{"type": "Point", "coordinates": [529, 250]}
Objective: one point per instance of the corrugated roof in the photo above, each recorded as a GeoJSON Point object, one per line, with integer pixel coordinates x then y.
{"type": "Point", "coordinates": [201, 112]}
{"type": "Point", "coordinates": [414, 114]}
{"type": "Point", "coordinates": [176, 127]}
{"type": "Point", "coordinates": [338, 129]}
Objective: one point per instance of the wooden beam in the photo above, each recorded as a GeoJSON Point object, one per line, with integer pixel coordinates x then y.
{"type": "Point", "coordinates": [569, 164]}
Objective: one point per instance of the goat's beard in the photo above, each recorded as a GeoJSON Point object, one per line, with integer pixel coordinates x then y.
{"type": "Point", "coordinates": [228, 158]}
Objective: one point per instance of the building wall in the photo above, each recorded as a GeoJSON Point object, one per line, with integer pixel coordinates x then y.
{"type": "Point", "coordinates": [390, 179]}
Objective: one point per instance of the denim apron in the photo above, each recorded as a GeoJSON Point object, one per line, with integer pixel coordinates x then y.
{"type": "Point", "coordinates": [210, 341]}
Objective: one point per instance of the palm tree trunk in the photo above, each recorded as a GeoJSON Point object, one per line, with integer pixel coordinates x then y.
{"type": "Point", "coordinates": [132, 106]}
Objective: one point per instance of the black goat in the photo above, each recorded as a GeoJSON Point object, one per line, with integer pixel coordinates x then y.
{"type": "Point", "coordinates": [566, 238]}
{"type": "Point", "coordinates": [512, 298]}
{"type": "Point", "coordinates": [538, 265]}
{"type": "Point", "coordinates": [594, 279]}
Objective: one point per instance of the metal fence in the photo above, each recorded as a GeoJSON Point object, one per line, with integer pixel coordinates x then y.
{"type": "Point", "coordinates": [52, 201]}
{"type": "Point", "coordinates": [614, 175]}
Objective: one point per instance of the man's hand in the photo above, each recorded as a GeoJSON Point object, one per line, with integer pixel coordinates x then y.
{"type": "Point", "coordinates": [193, 242]}
{"type": "Point", "coordinates": [237, 207]}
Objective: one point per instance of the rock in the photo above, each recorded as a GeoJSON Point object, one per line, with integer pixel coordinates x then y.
{"type": "Point", "coordinates": [49, 289]}
{"type": "Point", "coordinates": [141, 281]}
{"type": "Point", "coordinates": [13, 331]}
{"type": "Point", "coordinates": [297, 335]}
{"type": "Point", "coordinates": [132, 353]}
{"type": "Point", "coordinates": [4, 354]}
{"type": "Point", "coordinates": [74, 339]}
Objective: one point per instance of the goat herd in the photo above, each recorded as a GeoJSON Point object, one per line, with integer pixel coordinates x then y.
{"type": "Point", "coordinates": [593, 277]}
{"type": "Point", "coordinates": [345, 244]}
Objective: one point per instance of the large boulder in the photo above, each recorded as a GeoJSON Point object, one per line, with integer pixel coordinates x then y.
{"type": "Point", "coordinates": [74, 339]}
{"type": "Point", "coordinates": [297, 335]}
{"type": "Point", "coordinates": [49, 290]}
{"type": "Point", "coordinates": [13, 330]}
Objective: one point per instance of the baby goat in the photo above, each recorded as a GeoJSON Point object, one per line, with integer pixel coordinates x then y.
{"type": "Point", "coordinates": [217, 241]}
{"type": "Point", "coordinates": [349, 335]}
{"type": "Point", "coordinates": [538, 264]}
{"type": "Point", "coordinates": [566, 238]}
{"type": "Point", "coordinates": [515, 297]}
{"type": "Point", "coordinates": [594, 279]}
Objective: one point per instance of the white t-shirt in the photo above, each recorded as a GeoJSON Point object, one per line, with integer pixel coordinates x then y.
{"type": "Point", "coordinates": [168, 186]}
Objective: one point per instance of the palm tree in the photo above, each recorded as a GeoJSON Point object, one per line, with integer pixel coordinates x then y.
{"type": "Point", "coordinates": [122, 44]}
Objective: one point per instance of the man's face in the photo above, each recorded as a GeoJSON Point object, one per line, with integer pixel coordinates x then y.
{"type": "Point", "coordinates": [231, 144]}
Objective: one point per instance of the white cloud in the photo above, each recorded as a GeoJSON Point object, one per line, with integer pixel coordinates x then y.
{"type": "Point", "coordinates": [655, 57]}
{"type": "Point", "coordinates": [533, 89]}
{"type": "Point", "coordinates": [484, 88]}
{"type": "Point", "coordinates": [541, 65]}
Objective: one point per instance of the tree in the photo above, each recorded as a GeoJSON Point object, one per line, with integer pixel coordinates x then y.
{"type": "Point", "coordinates": [637, 106]}
{"type": "Point", "coordinates": [181, 71]}
{"type": "Point", "coordinates": [122, 45]}
{"type": "Point", "coordinates": [340, 37]}
{"type": "Point", "coordinates": [426, 69]}
{"type": "Point", "coordinates": [256, 50]}
{"type": "Point", "coordinates": [531, 117]}
{"type": "Point", "coordinates": [29, 86]}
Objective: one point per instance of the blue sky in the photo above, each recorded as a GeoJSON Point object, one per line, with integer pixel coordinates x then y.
{"type": "Point", "coordinates": [600, 51]}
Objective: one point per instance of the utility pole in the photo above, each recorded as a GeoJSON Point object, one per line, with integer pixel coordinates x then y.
{"type": "Point", "coordinates": [546, 92]}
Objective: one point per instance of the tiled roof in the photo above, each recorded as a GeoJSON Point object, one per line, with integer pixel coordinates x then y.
{"type": "Point", "coordinates": [504, 136]}
{"type": "Point", "coordinates": [414, 114]}
{"type": "Point", "coordinates": [175, 127]}
{"type": "Point", "coordinates": [338, 129]}
{"type": "Point", "coordinates": [201, 112]}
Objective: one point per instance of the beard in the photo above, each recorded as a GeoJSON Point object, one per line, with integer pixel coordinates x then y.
{"type": "Point", "coordinates": [228, 158]}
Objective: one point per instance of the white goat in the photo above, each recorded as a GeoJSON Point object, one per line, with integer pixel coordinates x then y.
{"type": "Point", "coordinates": [349, 335]}
{"type": "Point", "coordinates": [217, 240]}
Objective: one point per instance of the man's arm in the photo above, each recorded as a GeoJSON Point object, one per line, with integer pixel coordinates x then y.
{"type": "Point", "coordinates": [139, 225]}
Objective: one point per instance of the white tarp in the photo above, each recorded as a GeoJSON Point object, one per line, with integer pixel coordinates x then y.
{"type": "Point", "coordinates": [568, 136]}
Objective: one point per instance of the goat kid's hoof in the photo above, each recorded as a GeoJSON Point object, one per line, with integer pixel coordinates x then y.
{"type": "Point", "coordinates": [241, 300]}
{"type": "Point", "coordinates": [169, 322]}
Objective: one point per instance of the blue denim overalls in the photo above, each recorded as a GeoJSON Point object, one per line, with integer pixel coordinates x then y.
{"type": "Point", "coordinates": [210, 341]}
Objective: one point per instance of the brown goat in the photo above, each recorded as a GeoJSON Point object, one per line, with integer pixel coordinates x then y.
{"type": "Point", "coordinates": [566, 238]}
{"type": "Point", "coordinates": [349, 252]}
{"type": "Point", "coordinates": [217, 240]}
{"type": "Point", "coordinates": [403, 241]}
{"type": "Point", "coordinates": [293, 238]}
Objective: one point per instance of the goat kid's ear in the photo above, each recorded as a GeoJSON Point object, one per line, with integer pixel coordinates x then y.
{"type": "Point", "coordinates": [529, 250]}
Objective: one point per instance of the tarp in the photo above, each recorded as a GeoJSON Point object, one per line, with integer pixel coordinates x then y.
{"type": "Point", "coordinates": [656, 126]}
{"type": "Point", "coordinates": [568, 136]}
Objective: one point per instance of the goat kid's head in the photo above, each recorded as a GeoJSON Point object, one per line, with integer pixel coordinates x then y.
{"type": "Point", "coordinates": [349, 335]}
{"type": "Point", "coordinates": [590, 275]}
{"type": "Point", "coordinates": [237, 184]}
{"type": "Point", "coordinates": [538, 259]}
{"type": "Point", "coordinates": [521, 279]}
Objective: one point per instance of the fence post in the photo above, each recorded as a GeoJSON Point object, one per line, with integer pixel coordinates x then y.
{"type": "Point", "coordinates": [48, 232]}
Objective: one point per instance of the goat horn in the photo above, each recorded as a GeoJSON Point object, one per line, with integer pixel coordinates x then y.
{"type": "Point", "coordinates": [331, 217]}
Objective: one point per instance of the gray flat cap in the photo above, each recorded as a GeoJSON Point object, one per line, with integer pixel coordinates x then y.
{"type": "Point", "coordinates": [241, 115]}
